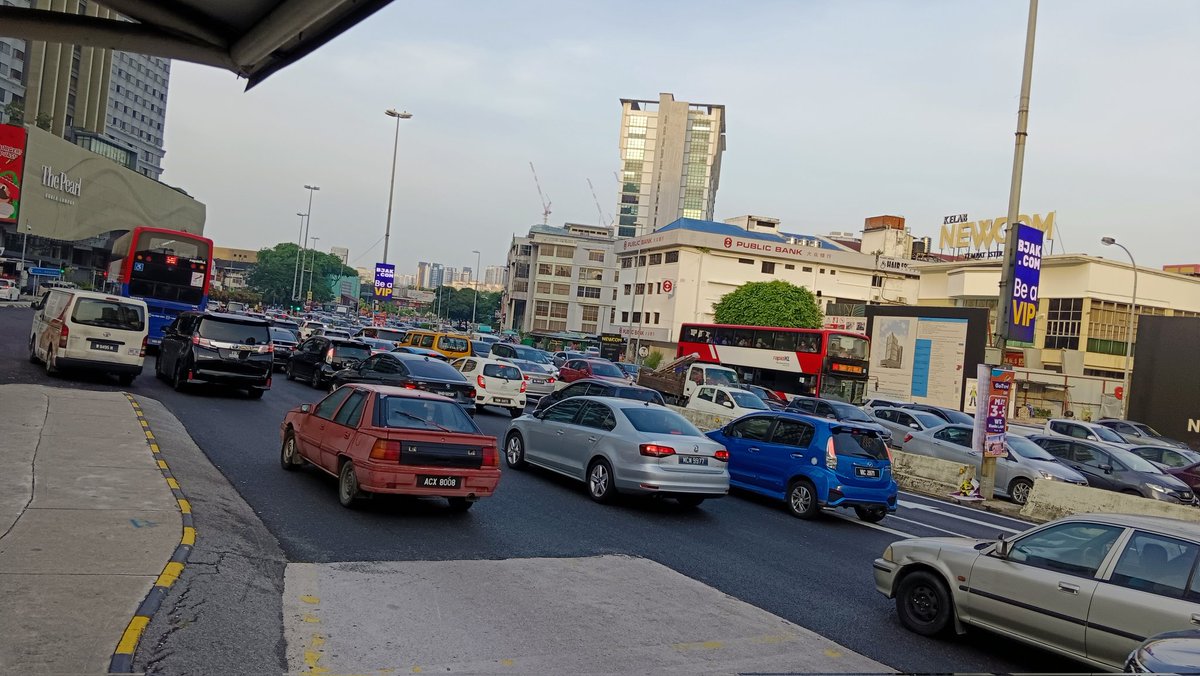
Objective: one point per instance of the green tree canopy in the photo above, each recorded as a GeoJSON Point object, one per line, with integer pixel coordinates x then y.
{"type": "Point", "coordinates": [272, 276]}
{"type": "Point", "coordinates": [776, 303]}
{"type": "Point", "coordinates": [455, 304]}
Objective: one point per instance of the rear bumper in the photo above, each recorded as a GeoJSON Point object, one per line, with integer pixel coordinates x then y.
{"type": "Point", "coordinates": [838, 495]}
{"type": "Point", "coordinates": [77, 364]}
{"type": "Point", "coordinates": [257, 380]}
{"type": "Point", "coordinates": [402, 480]}
{"type": "Point", "coordinates": [655, 480]}
{"type": "Point", "coordinates": [514, 401]}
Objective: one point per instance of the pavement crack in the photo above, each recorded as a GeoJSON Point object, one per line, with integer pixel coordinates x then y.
{"type": "Point", "coordinates": [32, 471]}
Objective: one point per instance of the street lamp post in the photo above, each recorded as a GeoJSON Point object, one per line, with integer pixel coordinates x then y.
{"type": "Point", "coordinates": [307, 221]}
{"type": "Point", "coordinates": [299, 250]}
{"type": "Point", "coordinates": [312, 261]}
{"type": "Point", "coordinates": [24, 244]}
{"type": "Point", "coordinates": [1109, 241]}
{"type": "Point", "coordinates": [475, 300]}
{"type": "Point", "coordinates": [387, 230]}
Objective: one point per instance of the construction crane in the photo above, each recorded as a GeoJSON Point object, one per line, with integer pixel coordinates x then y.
{"type": "Point", "coordinates": [604, 220]}
{"type": "Point", "coordinates": [545, 202]}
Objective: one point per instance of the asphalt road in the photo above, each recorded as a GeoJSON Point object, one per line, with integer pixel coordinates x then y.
{"type": "Point", "coordinates": [816, 574]}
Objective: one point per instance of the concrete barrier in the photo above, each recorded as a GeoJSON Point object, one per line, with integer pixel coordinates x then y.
{"type": "Point", "coordinates": [1051, 500]}
{"type": "Point", "coordinates": [924, 474]}
{"type": "Point", "coordinates": [705, 421]}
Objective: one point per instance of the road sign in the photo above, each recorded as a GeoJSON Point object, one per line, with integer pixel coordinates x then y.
{"type": "Point", "coordinates": [45, 272]}
{"type": "Point", "coordinates": [643, 352]}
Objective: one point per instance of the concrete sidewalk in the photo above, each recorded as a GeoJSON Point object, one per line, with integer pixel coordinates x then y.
{"type": "Point", "coordinates": [86, 524]}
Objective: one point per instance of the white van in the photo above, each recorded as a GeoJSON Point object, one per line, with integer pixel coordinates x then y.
{"type": "Point", "coordinates": [87, 330]}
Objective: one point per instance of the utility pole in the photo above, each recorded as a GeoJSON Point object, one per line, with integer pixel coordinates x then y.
{"type": "Point", "coordinates": [387, 230]}
{"type": "Point", "coordinates": [307, 221]}
{"type": "Point", "coordinates": [475, 300]}
{"type": "Point", "coordinates": [312, 262]}
{"type": "Point", "coordinates": [1008, 276]}
{"type": "Point", "coordinates": [299, 249]}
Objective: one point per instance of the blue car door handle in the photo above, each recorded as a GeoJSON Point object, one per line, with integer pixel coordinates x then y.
{"type": "Point", "coordinates": [753, 449]}
{"type": "Point", "coordinates": [797, 456]}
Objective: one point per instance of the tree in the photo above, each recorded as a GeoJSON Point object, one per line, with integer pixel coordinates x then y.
{"type": "Point", "coordinates": [776, 303]}
{"type": "Point", "coordinates": [275, 271]}
{"type": "Point", "coordinates": [456, 304]}
{"type": "Point", "coordinates": [15, 113]}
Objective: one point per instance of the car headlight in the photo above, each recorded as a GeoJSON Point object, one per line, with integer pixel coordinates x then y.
{"type": "Point", "coordinates": [1159, 489]}
{"type": "Point", "coordinates": [887, 555]}
{"type": "Point", "coordinates": [1046, 475]}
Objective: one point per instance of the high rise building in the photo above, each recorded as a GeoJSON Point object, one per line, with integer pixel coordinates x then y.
{"type": "Point", "coordinates": [670, 162]}
{"type": "Point", "coordinates": [423, 275]}
{"type": "Point", "coordinates": [341, 252]}
{"type": "Point", "coordinates": [563, 279]}
{"type": "Point", "coordinates": [493, 275]}
{"type": "Point", "coordinates": [436, 276]}
{"type": "Point", "coordinates": [137, 107]}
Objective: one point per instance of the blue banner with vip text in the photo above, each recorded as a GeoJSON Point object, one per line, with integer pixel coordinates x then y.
{"type": "Point", "coordinates": [1025, 283]}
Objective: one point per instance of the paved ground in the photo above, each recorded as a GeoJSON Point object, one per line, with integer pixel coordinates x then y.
{"type": "Point", "coordinates": [816, 575]}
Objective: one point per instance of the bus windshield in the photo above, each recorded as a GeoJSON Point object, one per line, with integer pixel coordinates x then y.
{"type": "Point", "coordinates": [847, 347]}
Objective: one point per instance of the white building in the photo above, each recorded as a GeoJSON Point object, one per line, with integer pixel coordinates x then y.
{"type": "Point", "coordinates": [561, 279]}
{"type": "Point", "coordinates": [493, 275]}
{"type": "Point", "coordinates": [341, 252]}
{"type": "Point", "coordinates": [675, 275]}
{"type": "Point", "coordinates": [670, 162]}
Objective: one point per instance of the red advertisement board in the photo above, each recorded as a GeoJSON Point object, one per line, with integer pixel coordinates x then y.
{"type": "Point", "coordinates": [12, 169]}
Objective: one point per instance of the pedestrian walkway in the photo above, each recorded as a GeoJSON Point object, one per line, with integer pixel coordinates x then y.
{"type": "Point", "coordinates": [86, 524]}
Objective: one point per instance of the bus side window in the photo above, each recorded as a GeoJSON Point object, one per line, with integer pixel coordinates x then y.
{"type": "Point", "coordinates": [786, 341]}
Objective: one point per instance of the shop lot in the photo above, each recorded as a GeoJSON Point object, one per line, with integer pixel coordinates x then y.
{"type": "Point", "coordinates": [815, 574]}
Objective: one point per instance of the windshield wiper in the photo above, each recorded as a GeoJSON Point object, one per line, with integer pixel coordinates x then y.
{"type": "Point", "coordinates": [406, 414]}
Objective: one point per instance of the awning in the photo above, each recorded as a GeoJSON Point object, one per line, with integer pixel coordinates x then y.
{"type": "Point", "coordinates": [253, 38]}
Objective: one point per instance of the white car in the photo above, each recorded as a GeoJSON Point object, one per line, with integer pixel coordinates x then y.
{"type": "Point", "coordinates": [307, 328]}
{"type": "Point", "coordinates": [9, 290]}
{"type": "Point", "coordinates": [89, 331]}
{"type": "Point", "coordinates": [496, 383]}
{"type": "Point", "coordinates": [722, 400]}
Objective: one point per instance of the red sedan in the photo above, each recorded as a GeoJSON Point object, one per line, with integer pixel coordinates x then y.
{"type": "Point", "coordinates": [379, 439]}
{"type": "Point", "coordinates": [574, 369]}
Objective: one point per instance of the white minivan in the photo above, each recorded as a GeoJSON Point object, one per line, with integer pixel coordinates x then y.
{"type": "Point", "coordinates": [86, 330]}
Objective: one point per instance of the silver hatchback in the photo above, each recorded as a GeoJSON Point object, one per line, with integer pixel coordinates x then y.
{"type": "Point", "coordinates": [621, 445]}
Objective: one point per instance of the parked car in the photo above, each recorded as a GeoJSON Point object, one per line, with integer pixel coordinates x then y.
{"type": "Point", "coordinates": [1016, 472]}
{"type": "Point", "coordinates": [600, 388]}
{"type": "Point", "coordinates": [948, 414]}
{"type": "Point", "coordinates": [731, 401]}
{"type": "Point", "coordinates": [837, 410]}
{"type": "Point", "coordinates": [218, 348]}
{"type": "Point", "coordinates": [378, 439]}
{"type": "Point", "coordinates": [377, 345]}
{"type": "Point", "coordinates": [876, 402]}
{"type": "Point", "coordinates": [810, 463]}
{"type": "Point", "coordinates": [1078, 429]}
{"type": "Point", "coordinates": [771, 398]}
{"type": "Point", "coordinates": [621, 446]}
{"type": "Point", "coordinates": [394, 336]}
{"type": "Point", "coordinates": [9, 290]}
{"type": "Point", "coordinates": [412, 372]}
{"type": "Point", "coordinates": [89, 331]}
{"type": "Point", "coordinates": [1090, 586]}
{"type": "Point", "coordinates": [319, 358]}
{"type": "Point", "coordinates": [539, 379]}
{"type": "Point", "coordinates": [284, 342]}
{"type": "Point", "coordinates": [901, 423]}
{"type": "Point", "coordinates": [1172, 652]}
{"type": "Point", "coordinates": [1116, 469]}
{"type": "Point", "coordinates": [630, 370]}
{"type": "Point", "coordinates": [603, 369]}
{"type": "Point", "coordinates": [1139, 433]}
{"type": "Point", "coordinates": [1183, 464]}
{"type": "Point", "coordinates": [422, 352]}
{"type": "Point", "coordinates": [497, 383]}
{"type": "Point", "coordinates": [310, 325]}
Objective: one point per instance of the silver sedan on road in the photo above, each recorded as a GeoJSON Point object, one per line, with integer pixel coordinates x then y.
{"type": "Point", "coordinates": [539, 378]}
{"type": "Point", "coordinates": [621, 445]}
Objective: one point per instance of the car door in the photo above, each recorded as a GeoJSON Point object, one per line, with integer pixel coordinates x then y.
{"type": "Point", "coordinates": [744, 439]}
{"type": "Point", "coordinates": [596, 421]}
{"type": "Point", "coordinates": [168, 347]}
{"type": "Point", "coordinates": [787, 449]}
{"type": "Point", "coordinates": [1087, 460]}
{"type": "Point", "coordinates": [571, 371]}
{"type": "Point", "coordinates": [1042, 590]}
{"type": "Point", "coordinates": [368, 370]}
{"type": "Point", "coordinates": [340, 433]}
{"type": "Point", "coordinates": [1147, 593]}
{"type": "Point", "coordinates": [723, 404]}
{"type": "Point", "coordinates": [954, 444]}
{"type": "Point", "coordinates": [314, 428]}
{"type": "Point", "coordinates": [703, 400]}
{"type": "Point", "coordinates": [824, 410]}
{"type": "Point", "coordinates": [545, 445]}
{"type": "Point", "coordinates": [301, 363]}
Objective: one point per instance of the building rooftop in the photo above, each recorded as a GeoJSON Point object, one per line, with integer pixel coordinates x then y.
{"type": "Point", "coordinates": [822, 243]}
{"type": "Point", "coordinates": [715, 228]}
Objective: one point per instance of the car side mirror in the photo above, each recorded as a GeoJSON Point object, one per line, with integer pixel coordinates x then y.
{"type": "Point", "coordinates": [727, 404]}
{"type": "Point", "coordinates": [915, 426]}
{"type": "Point", "coordinates": [1092, 437]}
{"type": "Point", "coordinates": [1108, 469]}
{"type": "Point", "coordinates": [1003, 548]}
{"type": "Point", "coordinates": [830, 416]}
{"type": "Point", "coordinates": [305, 408]}
{"type": "Point", "coordinates": [539, 414]}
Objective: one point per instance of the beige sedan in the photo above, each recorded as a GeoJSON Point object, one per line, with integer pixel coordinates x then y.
{"type": "Point", "coordinates": [1090, 587]}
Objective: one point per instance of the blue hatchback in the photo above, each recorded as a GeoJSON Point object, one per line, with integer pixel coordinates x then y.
{"type": "Point", "coordinates": [810, 463]}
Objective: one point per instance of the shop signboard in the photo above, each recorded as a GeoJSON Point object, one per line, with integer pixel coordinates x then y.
{"type": "Point", "coordinates": [385, 276]}
{"type": "Point", "coordinates": [12, 167]}
{"type": "Point", "coordinates": [991, 417]}
{"type": "Point", "coordinates": [612, 346]}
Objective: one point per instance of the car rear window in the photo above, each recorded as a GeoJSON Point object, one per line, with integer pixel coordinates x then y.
{"type": "Point", "coordinates": [859, 443]}
{"type": "Point", "coordinates": [660, 421]}
{"type": "Point", "coordinates": [502, 371]}
{"type": "Point", "coordinates": [433, 368]}
{"type": "Point", "coordinates": [639, 394]}
{"type": "Point", "coordinates": [283, 335]}
{"type": "Point", "coordinates": [453, 344]}
{"type": "Point", "coordinates": [425, 414]}
{"type": "Point", "coordinates": [342, 351]}
{"type": "Point", "coordinates": [109, 314]}
{"type": "Point", "coordinates": [226, 331]}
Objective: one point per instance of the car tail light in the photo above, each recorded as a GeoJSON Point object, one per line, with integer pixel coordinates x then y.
{"type": "Point", "coordinates": [471, 393]}
{"type": "Point", "coordinates": [481, 382]}
{"type": "Point", "coordinates": [491, 457]}
{"type": "Point", "coordinates": [63, 334]}
{"type": "Point", "coordinates": [145, 341]}
{"type": "Point", "coordinates": [907, 438]}
{"type": "Point", "coordinates": [329, 356]}
{"type": "Point", "coordinates": [550, 380]}
{"type": "Point", "coordinates": [269, 348]}
{"type": "Point", "coordinates": [411, 386]}
{"type": "Point", "coordinates": [523, 385]}
{"type": "Point", "coordinates": [385, 450]}
{"type": "Point", "coordinates": [722, 455]}
{"type": "Point", "coordinates": [830, 454]}
{"type": "Point", "coordinates": [526, 376]}
{"type": "Point", "coordinates": [202, 342]}
{"type": "Point", "coordinates": [656, 451]}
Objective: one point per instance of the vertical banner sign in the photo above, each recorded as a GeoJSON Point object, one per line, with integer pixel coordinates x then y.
{"type": "Point", "coordinates": [12, 167]}
{"type": "Point", "coordinates": [1025, 283]}
{"type": "Point", "coordinates": [385, 276]}
{"type": "Point", "coordinates": [991, 416]}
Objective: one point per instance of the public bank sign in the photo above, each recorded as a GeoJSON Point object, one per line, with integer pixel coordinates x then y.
{"type": "Point", "coordinates": [988, 235]}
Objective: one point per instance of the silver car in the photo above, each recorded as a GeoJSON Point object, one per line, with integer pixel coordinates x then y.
{"type": "Point", "coordinates": [621, 445]}
{"type": "Point", "coordinates": [1025, 463]}
{"type": "Point", "coordinates": [901, 422]}
{"type": "Point", "coordinates": [1090, 587]}
{"type": "Point", "coordinates": [539, 378]}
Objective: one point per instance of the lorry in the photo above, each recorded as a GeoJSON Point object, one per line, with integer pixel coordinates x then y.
{"type": "Point", "coordinates": [677, 379]}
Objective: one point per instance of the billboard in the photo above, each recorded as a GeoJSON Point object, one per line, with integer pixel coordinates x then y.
{"type": "Point", "coordinates": [991, 416]}
{"type": "Point", "coordinates": [924, 355]}
{"type": "Point", "coordinates": [12, 169]}
{"type": "Point", "coordinates": [1026, 277]}
{"type": "Point", "coordinates": [1162, 391]}
{"type": "Point", "coordinates": [385, 277]}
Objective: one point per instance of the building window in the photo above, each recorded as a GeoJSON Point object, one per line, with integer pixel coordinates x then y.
{"type": "Point", "coordinates": [806, 269]}
{"type": "Point", "coordinates": [542, 287]}
{"type": "Point", "coordinates": [614, 294]}
{"type": "Point", "coordinates": [591, 313]}
{"type": "Point", "coordinates": [545, 269]}
{"type": "Point", "coordinates": [637, 318]}
{"type": "Point", "coordinates": [624, 317]}
{"type": "Point", "coordinates": [596, 255]}
{"type": "Point", "coordinates": [746, 261]}
{"type": "Point", "coordinates": [559, 310]}
{"type": "Point", "coordinates": [1063, 319]}
{"type": "Point", "coordinates": [591, 274]}
{"type": "Point", "coordinates": [626, 231]}
{"type": "Point", "coordinates": [627, 262]}
{"type": "Point", "coordinates": [612, 315]}
{"type": "Point", "coordinates": [656, 318]}
{"type": "Point", "coordinates": [822, 270]}
{"type": "Point", "coordinates": [656, 259]}
{"type": "Point", "coordinates": [768, 268]}
{"type": "Point", "coordinates": [565, 252]}
{"type": "Point", "coordinates": [641, 290]}
{"type": "Point", "coordinates": [561, 290]}
{"type": "Point", "coordinates": [789, 266]}
{"type": "Point", "coordinates": [562, 270]}
{"type": "Point", "coordinates": [627, 289]}
{"type": "Point", "coordinates": [832, 271]}
{"type": "Point", "coordinates": [671, 257]}
{"type": "Point", "coordinates": [588, 292]}
{"type": "Point", "coordinates": [522, 271]}
{"type": "Point", "coordinates": [541, 308]}
{"type": "Point", "coordinates": [525, 250]}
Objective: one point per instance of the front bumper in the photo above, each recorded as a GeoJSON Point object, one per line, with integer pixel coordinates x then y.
{"type": "Point", "coordinates": [885, 576]}
{"type": "Point", "coordinates": [402, 480]}
{"type": "Point", "coordinates": [652, 479]}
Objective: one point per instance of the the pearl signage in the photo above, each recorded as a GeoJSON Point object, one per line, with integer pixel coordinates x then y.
{"type": "Point", "coordinates": [60, 181]}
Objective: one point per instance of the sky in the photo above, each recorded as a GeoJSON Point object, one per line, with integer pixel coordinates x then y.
{"type": "Point", "coordinates": [837, 110]}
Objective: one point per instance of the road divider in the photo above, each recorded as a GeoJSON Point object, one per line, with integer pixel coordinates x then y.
{"type": "Point", "coordinates": [932, 476]}
{"type": "Point", "coordinates": [707, 422]}
{"type": "Point", "coordinates": [1051, 500]}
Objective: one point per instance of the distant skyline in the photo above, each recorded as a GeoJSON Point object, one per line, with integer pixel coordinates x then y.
{"type": "Point", "coordinates": [837, 111]}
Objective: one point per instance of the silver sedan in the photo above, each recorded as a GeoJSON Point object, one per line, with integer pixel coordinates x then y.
{"type": "Point", "coordinates": [621, 445]}
{"type": "Point", "coordinates": [539, 378]}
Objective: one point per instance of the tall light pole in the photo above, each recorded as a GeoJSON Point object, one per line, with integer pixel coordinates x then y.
{"type": "Point", "coordinates": [312, 261]}
{"type": "Point", "coordinates": [24, 244]}
{"type": "Point", "coordinates": [299, 250]}
{"type": "Point", "coordinates": [474, 301]}
{"type": "Point", "coordinates": [387, 230]}
{"type": "Point", "coordinates": [1109, 241]}
{"type": "Point", "coordinates": [307, 221]}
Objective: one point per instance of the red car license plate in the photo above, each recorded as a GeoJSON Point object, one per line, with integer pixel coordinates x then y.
{"type": "Point", "coordinates": [427, 481]}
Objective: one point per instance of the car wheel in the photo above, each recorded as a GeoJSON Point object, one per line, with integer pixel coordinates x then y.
{"type": "Point", "coordinates": [289, 454]}
{"type": "Point", "coordinates": [255, 393]}
{"type": "Point", "coordinates": [600, 481]}
{"type": "Point", "coordinates": [288, 372]}
{"type": "Point", "coordinates": [315, 380]}
{"type": "Point", "coordinates": [178, 380]}
{"type": "Point", "coordinates": [1019, 489]}
{"type": "Point", "coordinates": [125, 380]}
{"type": "Point", "coordinates": [33, 358]}
{"type": "Point", "coordinates": [348, 492]}
{"type": "Point", "coordinates": [516, 412]}
{"type": "Point", "coordinates": [51, 369]}
{"type": "Point", "coordinates": [802, 499]}
{"type": "Point", "coordinates": [514, 451]}
{"type": "Point", "coordinates": [923, 604]}
{"type": "Point", "coordinates": [690, 501]}
{"type": "Point", "coordinates": [459, 504]}
{"type": "Point", "coordinates": [870, 514]}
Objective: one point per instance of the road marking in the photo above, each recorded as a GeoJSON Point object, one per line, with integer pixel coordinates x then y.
{"type": "Point", "coordinates": [935, 510]}
{"type": "Point", "coordinates": [876, 526]}
{"type": "Point", "coordinates": [1027, 524]}
{"type": "Point", "coordinates": [925, 525]}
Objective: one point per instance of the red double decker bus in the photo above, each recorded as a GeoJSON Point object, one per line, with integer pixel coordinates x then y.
{"type": "Point", "coordinates": [169, 269]}
{"type": "Point", "coordinates": [814, 362]}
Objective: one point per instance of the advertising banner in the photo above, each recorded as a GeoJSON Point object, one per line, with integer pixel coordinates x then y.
{"type": "Point", "coordinates": [385, 277]}
{"type": "Point", "coordinates": [991, 416]}
{"type": "Point", "coordinates": [918, 359]}
{"type": "Point", "coordinates": [12, 166]}
{"type": "Point", "coordinates": [1025, 283]}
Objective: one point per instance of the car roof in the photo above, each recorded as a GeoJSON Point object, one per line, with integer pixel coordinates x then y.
{"type": "Point", "coordinates": [1161, 524]}
{"type": "Point", "coordinates": [229, 317]}
{"type": "Point", "coordinates": [100, 295]}
{"type": "Point", "coordinates": [412, 356]}
{"type": "Point", "coordinates": [609, 383]}
{"type": "Point", "coordinates": [620, 402]}
{"type": "Point", "coordinates": [393, 391]}
{"type": "Point", "coordinates": [796, 415]}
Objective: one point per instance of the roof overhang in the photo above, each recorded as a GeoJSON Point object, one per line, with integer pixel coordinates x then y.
{"type": "Point", "coordinates": [253, 38]}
